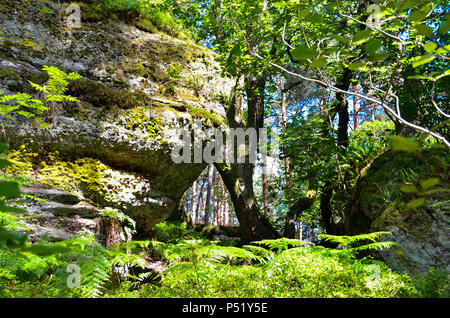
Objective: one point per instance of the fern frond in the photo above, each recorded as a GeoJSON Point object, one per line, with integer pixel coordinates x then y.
{"type": "Point", "coordinates": [95, 270]}
{"type": "Point", "coordinates": [374, 246]}
{"type": "Point", "coordinates": [133, 260]}
{"type": "Point", "coordinates": [218, 254]}
{"type": "Point", "coordinates": [337, 239]}
{"type": "Point", "coordinates": [260, 252]}
{"type": "Point", "coordinates": [346, 241]}
{"type": "Point", "coordinates": [282, 243]}
{"type": "Point", "coordinates": [374, 237]}
{"type": "Point", "coordinates": [38, 87]}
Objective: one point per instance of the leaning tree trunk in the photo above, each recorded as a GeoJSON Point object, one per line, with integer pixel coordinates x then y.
{"type": "Point", "coordinates": [295, 210]}
{"type": "Point", "coordinates": [253, 224]}
{"type": "Point", "coordinates": [238, 177]}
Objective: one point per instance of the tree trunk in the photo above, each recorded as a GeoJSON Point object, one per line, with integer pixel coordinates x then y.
{"type": "Point", "coordinates": [238, 177]}
{"type": "Point", "coordinates": [216, 198]}
{"type": "Point", "coordinates": [295, 210]}
{"type": "Point", "coordinates": [200, 203]}
{"type": "Point", "coordinates": [340, 108]}
{"type": "Point", "coordinates": [109, 231]}
{"type": "Point", "coordinates": [265, 187]}
{"type": "Point", "coordinates": [300, 231]}
{"type": "Point", "coordinates": [194, 202]}
{"type": "Point", "coordinates": [208, 205]}
{"type": "Point", "coordinates": [283, 122]}
{"type": "Point", "coordinates": [239, 182]}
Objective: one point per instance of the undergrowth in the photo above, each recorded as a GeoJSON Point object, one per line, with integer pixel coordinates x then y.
{"type": "Point", "coordinates": [195, 266]}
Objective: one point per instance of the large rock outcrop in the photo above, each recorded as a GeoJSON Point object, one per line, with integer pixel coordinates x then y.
{"type": "Point", "coordinates": [111, 149]}
{"type": "Point", "coordinates": [422, 232]}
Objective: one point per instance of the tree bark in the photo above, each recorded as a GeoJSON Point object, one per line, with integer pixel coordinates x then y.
{"type": "Point", "coordinates": [194, 201]}
{"type": "Point", "coordinates": [208, 203]}
{"type": "Point", "coordinates": [340, 108]}
{"type": "Point", "coordinates": [238, 177]}
{"type": "Point", "coordinates": [283, 122]}
{"type": "Point", "coordinates": [239, 182]}
{"type": "Point", "coordinates": [265, 188]}
{"type": "Point", "coordinates": [295, 210]}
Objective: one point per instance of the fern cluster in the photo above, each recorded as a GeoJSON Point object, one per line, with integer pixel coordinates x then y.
{"type": "Point", "coordinates": [358, 243]}
{"type": "Point", "coordinates": [52, 92]}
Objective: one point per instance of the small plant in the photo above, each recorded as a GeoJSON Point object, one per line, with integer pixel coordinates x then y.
{"type": "Point", "coordinates": [172, 232]}
{"type": "Point", "coordinates": [358, 243]}
{"type": "Point", "coordinates": [433, 284]}
{"type": "Point", "coordinates": [422, 190]}
{"type": "Point", "coordinates": [127, 223]}
{"type": "Point", "coordinates": [53, 92]}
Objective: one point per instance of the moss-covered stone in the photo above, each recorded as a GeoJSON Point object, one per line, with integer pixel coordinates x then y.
{"type": "Point", "coordinates": [100, 95]}
{"type": "Point", "coordinates": [87, 177]}
{"type": "Point", "coordinates": [380, 205]}
{"type": "Point", "coordinates": [201, 113]}
{"type": "Point", "coordinates": [121, 132]}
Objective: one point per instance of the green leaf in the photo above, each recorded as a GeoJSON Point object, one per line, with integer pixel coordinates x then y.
{"type": "Point", "coordinates": [361, 36]}
{"type": "Point", "coordinates": [4, 163]}
{"type": "Point", "coordinates": [418, 15]}
{"type": "Point", "coordinates": [304, 12]}
{"type": "Point", "coordinates": [341, 38]}
{"type": "Point", "coordinates": [415, 203]}
{"type": "Point", "coordinates": [13, 239]}
{"type": "Point", "coordinates": [428, 183]}
{"type": "Point", "coordinates": [419, 77]}
{"type": "Point", "coordinates": [356, 66]}
{"type": "Point", "coordinates": [404, 144]}
{"type": "Point", "coordinates": [320, 62]}
{"type": "Point", "coordinates": [3, 147]}
{"type": "Point", "coordinates": [444, 27]}
{"type": "Point", "coordinates": [47, 250]}
{"type": "Point", "coordinates": [423, 29]}
{"type": "Point", "coordinates": [443, 49]}
{"type": "Point", "coordinates": [9, 190]}
{"type": "Point", "coordinates": [11, 209]}
{"type": "Point", "coordinates": [303, 53]}
{"type": "Point", "coordinates": [378, 57]}
{"type": "Point", "coordinates": [430, 47]}
{"type": "Point", "coordinates": [428, 192]}
{"type": "Point", "coordinates": [314, 18]}
{"type": "Point", "coordinates": [408, 188]}
{"type": "Point", "coordinates": [423, 59]}
{"type": "Point", "coordinates": [372, 46]}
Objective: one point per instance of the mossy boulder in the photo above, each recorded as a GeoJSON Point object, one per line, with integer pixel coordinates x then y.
{"type": "Point", "coordinates": [380, 204]}
{"type": "Point", "coordinates": [113, 147]}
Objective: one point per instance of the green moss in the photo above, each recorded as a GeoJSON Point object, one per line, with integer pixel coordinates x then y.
{"type": "Point", "coordinates": [87, 177]}
{"type": "Point", "coordinates": [199, 112]}
{"type": "Point", "coordinates": [146, 25]}
{"type": "Point", "coordinates": [46, 11]}
{"type": "Point", "coordinates": [5, 73]}
{"type": "Point", "coordinates": [21, 162]}
{"type": "Point", "coordinates": [92, 12]}
{"type": "Point", "coordinates": [40, 78]}
{"type": "Point", "coordinates": [139, 119]}
{"type": "Point", "coordinates": [100, 95]}
{"type": "Point", "coordinates": [29, 44]}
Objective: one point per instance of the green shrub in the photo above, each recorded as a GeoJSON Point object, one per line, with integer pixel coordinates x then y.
{"type": "Point", "coordinates": [171, 232]}
{"type": "Point", "coordinates": [433, 284]}
{"type": "Point", "coordinates": [295, 272]}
